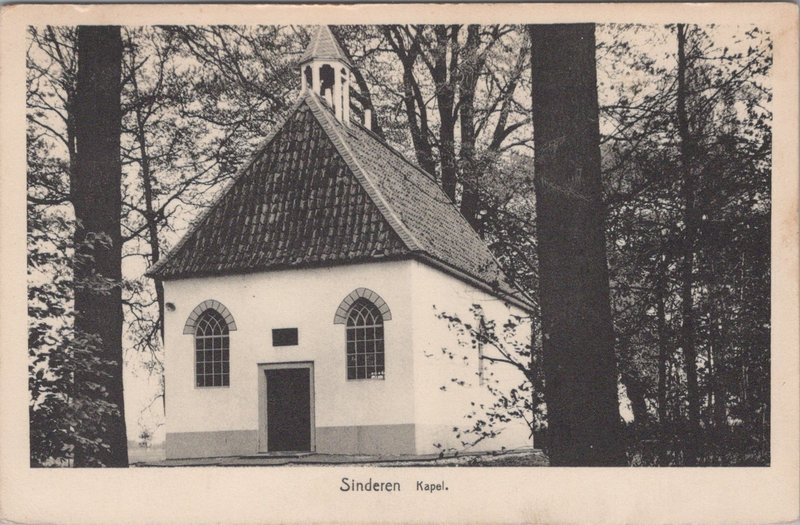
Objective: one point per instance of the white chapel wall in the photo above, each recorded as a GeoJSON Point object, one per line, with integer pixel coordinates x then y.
{"type": "Point", "coordinates": [306, 299]}
{"type": "Point", "coordinates": [437, 410]}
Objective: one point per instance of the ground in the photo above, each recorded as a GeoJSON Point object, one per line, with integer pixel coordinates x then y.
{"type": "Point", "coordinates": [511, 458]}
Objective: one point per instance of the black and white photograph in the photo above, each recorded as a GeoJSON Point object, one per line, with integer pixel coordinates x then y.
{"type": "Point", "coordinates": [361, 248]}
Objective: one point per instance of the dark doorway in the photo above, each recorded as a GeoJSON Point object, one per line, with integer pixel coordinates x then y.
{"type": "Point", "coordinates": [288, 409]}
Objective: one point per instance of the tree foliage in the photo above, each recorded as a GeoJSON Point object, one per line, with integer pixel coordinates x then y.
{"type": "Point", "coordinates": [726, 97]}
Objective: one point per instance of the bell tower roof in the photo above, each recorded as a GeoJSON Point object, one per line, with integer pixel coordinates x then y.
{"type": "Point", "coordinates": [324, 46]}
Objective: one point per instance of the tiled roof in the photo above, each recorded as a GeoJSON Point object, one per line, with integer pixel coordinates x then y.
{"type": "Point", "coordinates": [323, 45]}
{"type": "Point", "coordinates": [319, 192]}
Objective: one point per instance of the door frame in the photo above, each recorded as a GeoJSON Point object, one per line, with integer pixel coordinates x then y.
{"type": "Point", "coordinates": [262, 399]}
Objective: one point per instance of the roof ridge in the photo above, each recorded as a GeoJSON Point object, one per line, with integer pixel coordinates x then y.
{"type": "Point", "coordinates": [316, 37]}
{"type": "Point", "coordinates": [321, 114]}
{"type": "Point", "coordinates": [225, 190]}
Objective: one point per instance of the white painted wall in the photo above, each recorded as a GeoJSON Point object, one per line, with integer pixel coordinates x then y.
{"type": "Point", "coordinates": [437, 411]}
{"type": "Point", "coordinates": [306, 299]}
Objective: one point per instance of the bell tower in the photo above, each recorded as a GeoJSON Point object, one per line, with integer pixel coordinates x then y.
{"type": "Point", "coordinates": [326, 71]}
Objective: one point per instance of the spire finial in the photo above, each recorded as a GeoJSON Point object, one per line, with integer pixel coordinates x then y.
{"type": "Point", "coordinates": [324, 46]}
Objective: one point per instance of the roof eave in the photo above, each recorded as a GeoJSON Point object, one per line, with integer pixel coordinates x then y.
{"type": "Point", "coordinates": [481, 284]}
{"type": "Point", "coordinates": [420, 256]}
{"type": "Point", "coordinates": [284, 267]}
{"type": "Point", "coordinates": [307, 60]}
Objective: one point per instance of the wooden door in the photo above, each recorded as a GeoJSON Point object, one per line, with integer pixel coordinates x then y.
{"type": "Point", "coordinates": [288, 409]}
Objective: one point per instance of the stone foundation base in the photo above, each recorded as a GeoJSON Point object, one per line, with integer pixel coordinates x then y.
{"type": "Point", "coordinates": [365, 439]}
{"type": "Point", "coordinates": [211, 444]}
{"type": "Point", "coordinates": [371, 439]}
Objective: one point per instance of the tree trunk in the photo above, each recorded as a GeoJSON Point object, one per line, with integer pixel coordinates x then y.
{"type": "Point", "coordinates": [687, 265]}
{"type": "Point", "coordinates": [501, 129]}
{"type": "Point", "coordinates": [578, 338]}
{"type": "Point", "coordinates": [155, 251]}
{"type": "Point", "coordinates": [716, 384]}
{"type": "Point", "coordinates": [151, 217]}
{"type": "Point", "coordinates": [663, 355]}
{"type": "Point", "coordinates": [637, 395]}
{"type": "Point", "coordinates": [412, 98]}
{"type": "Point", "coordinates": [95, 189]}
{"type": "Point", "coordinates": [149, 208]}
{"type": "Point", "coordinates": [720, 406]}
{"type": "Point", "coordinates": [470, 199]}
{"type": "Point", "coordinates": [444, 82]}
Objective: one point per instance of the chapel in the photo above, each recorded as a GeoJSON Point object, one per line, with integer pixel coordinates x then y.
{"type": "Point", "coordinates": [304, 305]}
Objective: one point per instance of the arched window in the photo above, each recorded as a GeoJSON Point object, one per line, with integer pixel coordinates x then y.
{"type": "Point", "coordinates": [365, 341]}
{"type": "Point", "coordinates": [326, 79]}
{"type": "Point", "coordinates": [343, 76]}
{"type": "Point", "coordinates": [212, 350]}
